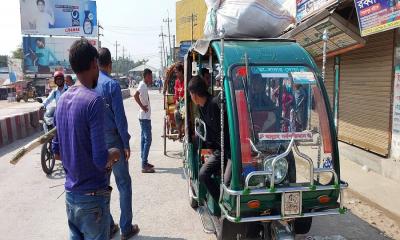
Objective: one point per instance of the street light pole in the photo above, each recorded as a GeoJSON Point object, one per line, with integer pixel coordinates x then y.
{"type": "Point", "coordinates": [116, 57]}
{"type": "Point", "coordinates": [99, 34]}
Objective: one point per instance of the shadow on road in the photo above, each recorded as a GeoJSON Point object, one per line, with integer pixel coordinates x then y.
{"type": "Point", "coordinates": [58, 172]}
{"type": "Point", "coordinates": [157, 238]}
{"type": "Point", "coordinates": [175, 154]}
{"type": "Point", "coordinates": [18, 144]}
{"type": "Point", "coordinates": [178, 171]}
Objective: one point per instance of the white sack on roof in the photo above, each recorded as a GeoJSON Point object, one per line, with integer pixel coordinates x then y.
{"type": "Point", "coordinates": [248, 18]}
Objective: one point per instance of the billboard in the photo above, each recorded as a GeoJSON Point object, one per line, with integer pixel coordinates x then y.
{"type": "Point", "coordinates": [376, 16]}
{"type": "Point", "coordinates": [59, 17]}
{"type": "Point", "coordinates": [44, 55]}
{"type": "Point", "coordinates": [307, 8]}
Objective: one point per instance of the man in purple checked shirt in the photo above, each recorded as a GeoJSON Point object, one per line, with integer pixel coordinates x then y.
{"type": "Point", "coordinates": [80, 144]}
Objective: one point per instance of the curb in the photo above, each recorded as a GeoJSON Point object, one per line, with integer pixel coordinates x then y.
{"type": "Point", "coordinates": [20, 126]}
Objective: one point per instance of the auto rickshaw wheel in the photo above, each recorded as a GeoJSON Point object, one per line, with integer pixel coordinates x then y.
{"type": "Point", "coordinates": [302, 225]}
{"type": "Point", "coordinates": [26, 98]}
{"type": "Point", "coordinates": [165, 136]}
{"type": "Point", "coordinates": [18, 99]}
{"type": "Point", "coordinates": [47, 158]}
{"type": "Point", "coordinates": [228, 230]}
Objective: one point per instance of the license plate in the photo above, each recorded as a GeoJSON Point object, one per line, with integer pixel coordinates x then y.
{"type": "Point", "coordinates": [291, 203]}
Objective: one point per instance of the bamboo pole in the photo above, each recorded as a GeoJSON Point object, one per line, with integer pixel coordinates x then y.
{"type": "Point", "coordinates": [32, 145]}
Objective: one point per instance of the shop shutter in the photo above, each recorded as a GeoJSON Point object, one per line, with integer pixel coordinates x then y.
{"type": "Point", "coordinates": [365, 94]}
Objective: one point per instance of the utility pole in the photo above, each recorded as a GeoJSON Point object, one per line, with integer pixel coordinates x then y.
{"type": "Point", "coordinates": [162, 59]}
{"type": "Point", "coordinates": [174, 56]}
{"type": "Point", "coordinates": [169, 20]}
{"type": "Point", "coordinates": [99, 34]}
{"type": "Point", "coordinates": [194, 18]}
{"type": "Point", "coordinates": [116, 56]}
{"type": "Point", "coordinates": [162, 35]}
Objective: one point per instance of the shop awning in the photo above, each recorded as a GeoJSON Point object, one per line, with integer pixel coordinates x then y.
{"type": "Point", "coordinates": [343, 36]}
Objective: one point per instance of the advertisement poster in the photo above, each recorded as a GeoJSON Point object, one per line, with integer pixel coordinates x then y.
{"type": "Point", "coordinates": [376, 16]}
{"type": "Point", "coordinates": [59, 17]}
{"type": "Point", "coordinates": [396, 115]}
{"type": "Point", "coordinates": [45, 55]}
{"type": "Point", "coordinates": [306, 8]}
{"type": "Point", "coordinates": [15, 70]}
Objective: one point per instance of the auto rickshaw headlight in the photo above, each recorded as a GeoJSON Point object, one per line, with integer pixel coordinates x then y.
{"type": "Point", "coordinates": [281, 169]}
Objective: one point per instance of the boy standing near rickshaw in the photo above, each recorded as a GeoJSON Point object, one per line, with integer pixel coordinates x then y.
{"type": "Point", "coordinates": [210, 113]}
{"type": "Point", "coordinates": [142, 98]}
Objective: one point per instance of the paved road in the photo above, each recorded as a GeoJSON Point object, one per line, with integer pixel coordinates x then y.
{"type": "Point", "coordinates": [32, 205]}
{"type": "Point", "coordinates": [13, 108]}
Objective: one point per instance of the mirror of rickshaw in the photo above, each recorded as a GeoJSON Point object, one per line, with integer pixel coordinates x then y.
{"type": "Point", "coordinates": [276, 104]}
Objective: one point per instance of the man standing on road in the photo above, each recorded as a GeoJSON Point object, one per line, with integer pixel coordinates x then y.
{"type": "Point", "coordinates": [117, 136]}
{"type": "Point", "coordinates": [56, 93]}
{"type": "Point", "coordinates": [142, 98]}
{"type": "Point", "coordinates": [81, 146]}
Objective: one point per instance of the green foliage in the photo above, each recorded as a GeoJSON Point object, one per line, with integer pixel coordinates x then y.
{"type": "Point", "coordinates": [123, 65]}
{"type": "Point", "coordinates": [18, 53]}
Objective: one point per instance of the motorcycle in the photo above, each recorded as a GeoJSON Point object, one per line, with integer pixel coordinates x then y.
{"type": "Point", "coordinates": [47, 158]}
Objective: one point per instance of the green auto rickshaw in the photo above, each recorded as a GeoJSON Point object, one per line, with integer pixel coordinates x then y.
{"type": "Point", "coordinates": [283, 157]}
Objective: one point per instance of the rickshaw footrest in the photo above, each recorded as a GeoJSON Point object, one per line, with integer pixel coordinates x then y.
{"type": "Point", "coordinates": [206, 220]}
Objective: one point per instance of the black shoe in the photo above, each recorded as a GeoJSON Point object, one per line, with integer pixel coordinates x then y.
{"type": "Point", "coordinates": [133, 232]}
{"type": "Point", "coordinates": [148, 169]}
{"type": "Point", "coordinates": [150, 165]}
{"type": "Point", "coordinates": [113, 230]}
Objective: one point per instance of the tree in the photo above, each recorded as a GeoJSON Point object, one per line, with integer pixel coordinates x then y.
{"type": "Point", "coordinates": [18, 53]}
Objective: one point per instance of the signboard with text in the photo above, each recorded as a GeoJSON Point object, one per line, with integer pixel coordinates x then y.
{"type": "Point", "coordinates": [376, 16]}
{"type": "Point", "coordinates": [59, 17]}
{"type": "Point", "coordinates": [307, 8]}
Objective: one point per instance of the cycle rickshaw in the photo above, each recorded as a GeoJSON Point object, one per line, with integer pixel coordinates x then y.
{"type": "Point", "coordinates": [284, 156]}
{"type": "Point", "coordinates": [170, 127]}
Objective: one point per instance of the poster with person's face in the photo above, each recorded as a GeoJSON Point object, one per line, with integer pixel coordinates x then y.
{"type": "Point", "coordinates": [59, 17]}
{"type": "Point", "coordinates": [46, 55]}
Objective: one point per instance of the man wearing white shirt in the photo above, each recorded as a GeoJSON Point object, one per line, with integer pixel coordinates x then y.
{"type": "Point", "coordinates": [143, 100]}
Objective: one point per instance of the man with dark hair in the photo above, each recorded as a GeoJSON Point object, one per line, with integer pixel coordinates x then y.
{"type": "Point", "coordinates": [44, 56]}
{"type": "Point", "coordinates": [81, 146]}
{"type": "Point", "coordinates": [43, 18]}
{"type": "Point", "coordinates": [210, 113]}
{"type": "Point", "coordinates": [143, 100]}
{"type": "Point", "coordinates": [205, 73]}
{"type": "Point", "coordinates": [117, 136]}
{"type": "Point", "coordinates": [56, 93]}
{"type": "Point", "coordinates": [69, 81]}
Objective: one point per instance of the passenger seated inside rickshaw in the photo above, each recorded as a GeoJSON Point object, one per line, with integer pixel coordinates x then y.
{"type": "Point", "coordinates": [179, 93]}
{"type": "Point", "coordinates": [210, 114]}
{"type": "Point", "coordinates": [264, 110]}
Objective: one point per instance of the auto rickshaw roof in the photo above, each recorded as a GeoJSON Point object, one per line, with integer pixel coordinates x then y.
{"type": "Point", "coordinates": [259, 51]}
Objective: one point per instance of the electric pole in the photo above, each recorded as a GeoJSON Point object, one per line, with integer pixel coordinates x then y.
{"type": "Point", "coordinates": [162, 58]}
{"type": "Point", "coordinates": [173, 41]}
{"type": "Point", "coordinates": [169, 20]}
{"type": "Point", "coordinates": [162, 35]}
{"type": "Point", "coordinates": [116, 56]}
{"type": "Point", "coordinates": [194, 18]}
{"type": "Point", "coordinates": [99, 34]}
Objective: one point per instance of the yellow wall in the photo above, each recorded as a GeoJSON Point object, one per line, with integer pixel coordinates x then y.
{"type": "Point", "coordinates": [184, 10]}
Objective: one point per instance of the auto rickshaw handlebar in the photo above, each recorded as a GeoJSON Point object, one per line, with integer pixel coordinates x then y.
{"type": "Point", "coordinates": [198, 121]}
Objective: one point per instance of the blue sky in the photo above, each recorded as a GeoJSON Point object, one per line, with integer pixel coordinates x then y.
{"type": "Point", "coordinates": [135, 24]}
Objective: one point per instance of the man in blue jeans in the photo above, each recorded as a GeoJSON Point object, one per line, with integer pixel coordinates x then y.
{"type": "Point", "coordinates": [142, 98]}
{"type": "Point", "coordinates": [117, 136]}
{"type": "Point", "coordinates": [81, 146]}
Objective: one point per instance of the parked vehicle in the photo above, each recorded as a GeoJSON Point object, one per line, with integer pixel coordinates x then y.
{"type": "Point", "coordinates": [278, 119]}
{"type": "Point", "coordinates": [24, 93]}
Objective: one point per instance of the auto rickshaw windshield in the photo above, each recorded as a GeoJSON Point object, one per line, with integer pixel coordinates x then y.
{"type": "Point", "coordinates": [276, 104]}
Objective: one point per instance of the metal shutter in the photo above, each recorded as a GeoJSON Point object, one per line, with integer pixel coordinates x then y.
{"type": "Point", "coordinates": [365, 94]}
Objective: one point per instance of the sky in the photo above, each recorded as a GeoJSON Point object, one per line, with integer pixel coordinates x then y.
{"type": "Point", "coordinates": [135, 24]}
